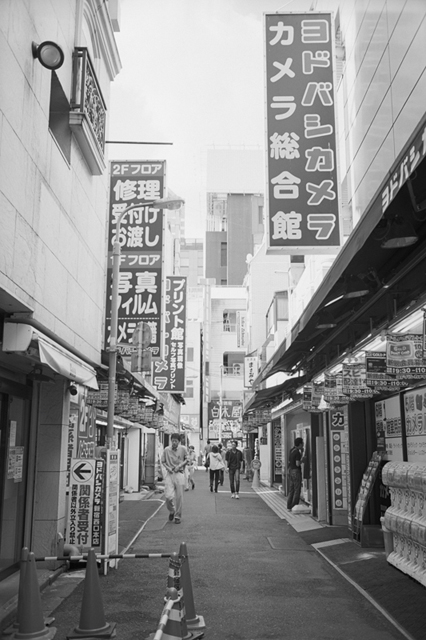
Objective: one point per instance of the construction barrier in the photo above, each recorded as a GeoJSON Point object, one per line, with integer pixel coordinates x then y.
{"type": "Point", "coordinates": [92, 616]}
{"type": "Point", "coordinates": [110, 556]}
{"type": "Point", "coordinates": [31, 624]}
{"type": "Point", "coordinates": [193, 620]}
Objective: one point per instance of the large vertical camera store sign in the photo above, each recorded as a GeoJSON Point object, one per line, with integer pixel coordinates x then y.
{"type": "Point", "coordinates": [141, 241]}
{"type": "Point", "coordinates": [303, 207]}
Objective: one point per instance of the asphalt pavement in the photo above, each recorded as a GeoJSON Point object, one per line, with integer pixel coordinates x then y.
{"type": "Point", "coordinates": [258, 573]}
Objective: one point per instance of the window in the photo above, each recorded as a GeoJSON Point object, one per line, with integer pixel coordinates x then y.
{"type": "Point", "coordinates": [224, 282]}
{"type": "Point", "coordinates": [260, 214]}
{"type": "Point", "coordinates": [59, 111]}
{"type": "Point", "coordinates": [281, 303]}
{"type": "Point", "coordinates": [190, 354]}
{"type": "Point", "coordinates": [223, 254]}
{"type": "Point", "coordinates": [189, 389]}
{"type": "Point", "coordinates": [230, 321]}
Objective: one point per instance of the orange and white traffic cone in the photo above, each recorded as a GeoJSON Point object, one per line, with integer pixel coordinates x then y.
{"type": "Point", "coordinates": [31, 623]}
{"type": "Point", "coordinates": [92, 616]}
{"type": "Point", "coordinates": [193, 620]}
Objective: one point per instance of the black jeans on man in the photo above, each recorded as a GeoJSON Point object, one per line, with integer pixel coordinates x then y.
{"type": "Point", "coordinates": [295, 486]}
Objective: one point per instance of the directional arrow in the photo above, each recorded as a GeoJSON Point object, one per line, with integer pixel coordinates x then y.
{"type": "Point", "coordinates": [83, 471]}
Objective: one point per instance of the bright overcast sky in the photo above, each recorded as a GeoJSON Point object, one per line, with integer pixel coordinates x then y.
{"type": "Point", "coordinates": [192, 74]}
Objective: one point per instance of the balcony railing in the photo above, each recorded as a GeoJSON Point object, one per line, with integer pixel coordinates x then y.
{"type": "Point", "coordinates": [235, 371]}
{"type": "Point", "coordinates": [88, 111]}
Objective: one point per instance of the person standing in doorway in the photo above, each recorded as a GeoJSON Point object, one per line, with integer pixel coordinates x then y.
{"type": "Point", "coordinates": [174, 460]}
{"type": "Point", "coordinates": [295, 473]}
{"type": "Point", "coordinates": [234, 459]}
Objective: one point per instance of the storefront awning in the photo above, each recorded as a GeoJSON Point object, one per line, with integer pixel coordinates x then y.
{"type": "Point", "coordinates": [272, 395]}
{"type": "Point", "coordinates": [393, 277]}
{"type": "Point", "coordinates": [25, 339]}
{"type": "Point", "coordinates": [148, 389]}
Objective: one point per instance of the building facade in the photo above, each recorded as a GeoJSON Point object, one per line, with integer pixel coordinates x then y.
{"type": "Point", "coordinates": [53, 197]}
{"type": "Point", "coordinates": [371, 292]}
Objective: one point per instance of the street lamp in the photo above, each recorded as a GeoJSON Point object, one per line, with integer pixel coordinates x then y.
{"type": "Point", "coordinates": [161, 203]}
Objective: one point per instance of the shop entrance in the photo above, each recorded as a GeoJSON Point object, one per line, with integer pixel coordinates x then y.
{"type": "Point", "coordinates": [14, 426]}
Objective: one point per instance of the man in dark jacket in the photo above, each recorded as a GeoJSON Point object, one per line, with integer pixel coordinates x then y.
{"type": "Point", "coordinates": [234, 459]}
{"type": "Point", "coordinates": [295, 473]}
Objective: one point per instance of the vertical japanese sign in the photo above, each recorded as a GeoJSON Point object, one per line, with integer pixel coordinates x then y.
{"type": "Point", "coordinates": [84, 505]}
{"type": "Point", "coordinates": [169, 372]}
{"type": "Point", "coordinates": [141, 242]}
{"type": "Point", "coordinates": [250, 370]}
{"type": "Point", "coordinates": [303, 212]}
{"type": "Point", "coordinates": [338, 457]}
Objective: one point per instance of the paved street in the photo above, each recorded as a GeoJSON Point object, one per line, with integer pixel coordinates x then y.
{"type": "Point", "coordinates": [253, 577]}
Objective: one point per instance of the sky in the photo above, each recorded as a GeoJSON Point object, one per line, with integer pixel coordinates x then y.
{"type": "Point", "coordinates": [192, 74]}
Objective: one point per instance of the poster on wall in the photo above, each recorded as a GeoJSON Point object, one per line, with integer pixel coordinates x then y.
{"type": "Point", "coordinates": [387, 414]}
{"type": "Point", "coordinates": [415, 424]}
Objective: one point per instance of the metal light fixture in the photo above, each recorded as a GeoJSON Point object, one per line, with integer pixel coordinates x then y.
{"type": "Point", "coordinates": [73, 389]}
{"type": "Point", "coordinates": [400, 234]}
{"type": "Point", "coordinates": [161, 203]}
{"type": "Point", "coordinates": [355, 288]}
{"type": "Point", "coordinates": [49, 54]}
{"type": "Point", "coordinates": [326, 320]}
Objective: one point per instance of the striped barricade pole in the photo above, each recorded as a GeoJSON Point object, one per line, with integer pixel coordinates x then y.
{"type": "Point", "coordinates": [101, 556]}
{"type": "Point", "coordinates": [166, 626]}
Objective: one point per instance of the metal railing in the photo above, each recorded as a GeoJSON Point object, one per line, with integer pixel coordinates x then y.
{"type": "Point", "coordinates": [87, 96]}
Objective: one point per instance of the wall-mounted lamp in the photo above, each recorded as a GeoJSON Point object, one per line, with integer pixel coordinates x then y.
{"type": "Point", "coordinates": [73, 390]}
{"type": "Point", "coordinates": [49, 54]}
{"type": "Point", "coordinates": [400, 234]}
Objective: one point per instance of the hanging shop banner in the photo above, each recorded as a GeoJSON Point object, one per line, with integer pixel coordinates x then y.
{"type": "Point", "coordinates": [256, 419]}
{"type": "Point", "coordinates": [250, 370]}
{"type": "Point", "coordinates": [85, 503]}
{"type": "Point", "coordinates": [303, 204]}
{"type": "Point", "coordinates": [169, 372]}
{"type": "Point", "coordinates": [141, 241]}
{"type": "Point", "coordinates": [404, 355]}
{"type": "Point", "coordinates": [241, 329]}
{"type": "Point", "coordinates": [312, 394]}
{"type": "Point", "coordinates": [333, 389]}
{"type": "Point", "coordinates": [354, 379]}
{"type": "Point", "coordinates": [377, 376]}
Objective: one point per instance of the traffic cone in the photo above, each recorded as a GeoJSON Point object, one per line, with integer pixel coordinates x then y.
{"type": "Point", "coordinates": [255, 484]}
{"type": "Point", "coordinates": [193, 620]}
{"type": "Point", "coordinates": [174, 582]}
{"type": "Point", "coordinates": [92, 617]}
{"type": "Point", "coordinates": [30, 611]}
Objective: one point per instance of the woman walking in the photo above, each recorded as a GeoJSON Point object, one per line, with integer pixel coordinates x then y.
{"type": "Point", "coordinates": [215, 465]}
{"type": "Point", "coordinates": [192, 458]}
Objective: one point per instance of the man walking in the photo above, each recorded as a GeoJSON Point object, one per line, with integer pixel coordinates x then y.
{"type": "Point", "coordinates": [234, 459]}
{"type": "Point", "coordinates": [207, 450]}
{"type": "Point", "coordinates": [174, 460]}
{"type": "Point", "coordinates": [295, 473]}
